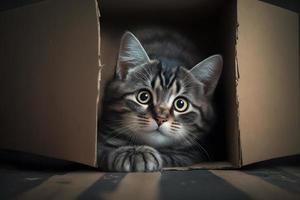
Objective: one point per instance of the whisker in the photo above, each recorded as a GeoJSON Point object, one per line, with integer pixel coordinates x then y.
{"type": "Point", "coordinates": [174, 126]}
{"type": "Point", "coordinates": [200, 147]}
{"type": "Point", "coordinates": [142, 116]}
{"type": "Point", "coordinates": [143, 120]}
{"type": "Point", "coordinates": [142, 123]}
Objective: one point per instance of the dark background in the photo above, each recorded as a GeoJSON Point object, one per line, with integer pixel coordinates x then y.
{"type": "Point", "coordinates": [288, 4]}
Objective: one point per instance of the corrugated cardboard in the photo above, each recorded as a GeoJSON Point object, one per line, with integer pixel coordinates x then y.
{"type": "Point", "coordinates": [49, 76]}
{"type": "Point", "coordinates": [48, 79]}
{"type": "Point", "coordinates": [268, 87]}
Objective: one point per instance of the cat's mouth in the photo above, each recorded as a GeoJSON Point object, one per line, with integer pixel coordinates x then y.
{"type": "Point", "coordinates": [159, 132]}
{"type": "Point", "coordinates": [155, 131]}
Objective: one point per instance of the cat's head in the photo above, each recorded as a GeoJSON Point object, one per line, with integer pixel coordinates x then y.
{"type": "Point", "coordinates": [160, 106]}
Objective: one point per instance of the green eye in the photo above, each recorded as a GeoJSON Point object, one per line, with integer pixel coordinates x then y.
{"type": "Point", "coordinates": [181, 104]}
{"type": "Point", "coordinates": [144, 96]}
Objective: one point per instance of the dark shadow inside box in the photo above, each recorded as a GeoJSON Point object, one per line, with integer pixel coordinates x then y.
{"type": "Point", "coordinates": [210, 25]}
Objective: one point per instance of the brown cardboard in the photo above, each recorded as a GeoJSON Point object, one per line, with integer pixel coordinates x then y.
{"type": "Point", "coordinates": [50, 74]}
{"type": "Point", "coordinates": [268, 86]}
{"type": "Point", "coordinates": [48, 79]}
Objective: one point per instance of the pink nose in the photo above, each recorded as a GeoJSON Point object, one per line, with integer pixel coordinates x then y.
{"type": "Point", "coordinates": [160, 120]}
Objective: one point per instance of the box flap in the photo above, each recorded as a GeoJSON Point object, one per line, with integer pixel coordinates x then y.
{"type": "Point", "coordinates": [268, 87]}
{"type": "Point", "coordinates": [48, 79]}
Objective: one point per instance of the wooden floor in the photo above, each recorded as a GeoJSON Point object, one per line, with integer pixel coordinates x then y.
{"type": "Point", "coordinates": [279, 179]}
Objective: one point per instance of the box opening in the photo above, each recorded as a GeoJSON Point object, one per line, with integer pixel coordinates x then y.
{"type": "Point", "coordinates": [41, 88]}
{"type": "Point", "coordinates": [211, 25]}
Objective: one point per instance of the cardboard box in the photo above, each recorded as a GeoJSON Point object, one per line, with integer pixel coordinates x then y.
{"type": "Point", "coordinates": [51, 79]}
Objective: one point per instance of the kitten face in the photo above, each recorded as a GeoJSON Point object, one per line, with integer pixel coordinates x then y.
{"type": "Point", "coordinates": [157, 105]}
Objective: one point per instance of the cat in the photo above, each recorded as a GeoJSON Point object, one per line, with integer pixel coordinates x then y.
{"type": "Point", "coordinates": [159, 105]}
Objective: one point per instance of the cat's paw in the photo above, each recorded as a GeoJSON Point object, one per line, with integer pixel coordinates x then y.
{"type": "Point", "coordinates": [135, 159]}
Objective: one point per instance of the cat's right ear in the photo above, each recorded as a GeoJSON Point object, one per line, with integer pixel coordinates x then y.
{"type": "Point", "coordinates": [131, 55]}
{"type": "Point", "coordinates": [208, 72]}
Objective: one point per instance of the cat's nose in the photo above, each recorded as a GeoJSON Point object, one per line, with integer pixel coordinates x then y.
{"type": "Point", "coordinates": [160, 120]}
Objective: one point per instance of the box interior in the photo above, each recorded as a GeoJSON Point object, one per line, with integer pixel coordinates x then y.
{"type": "Point", "coordinates": [211, 25]}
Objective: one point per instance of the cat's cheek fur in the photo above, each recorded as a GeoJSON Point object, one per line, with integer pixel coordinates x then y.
{"type": "Point", "coordinates": [139, 127]}
{"type": "Point", "coordinates": [175, 135]}
{"type": "Point", "coordinates": [135, 158]}
{"type": "Point", "coordinates": [150, 127]}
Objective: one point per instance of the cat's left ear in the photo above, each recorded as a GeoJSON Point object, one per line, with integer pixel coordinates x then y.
{"type": "Point", "coordinates": [208, 72]}
{"type": "Point", "coordinates": [131, 55]}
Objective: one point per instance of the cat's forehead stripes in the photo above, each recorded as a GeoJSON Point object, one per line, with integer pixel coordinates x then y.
{"type": "Point", "coordinates": [165, 78]}
{"type": "Point", "coordinates": [165, 87]}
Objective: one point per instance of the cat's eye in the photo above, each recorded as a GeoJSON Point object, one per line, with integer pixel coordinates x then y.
{"type": "Point", "coordinates": [144, 96]}
{"type": "Point", "coordinates": [181, 104]}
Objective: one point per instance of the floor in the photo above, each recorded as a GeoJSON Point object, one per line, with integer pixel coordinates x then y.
{"type": "Point", "coordinates": [277, 179]}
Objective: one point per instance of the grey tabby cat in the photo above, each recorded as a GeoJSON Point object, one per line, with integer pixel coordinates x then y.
{"type": "Point", "coordinates": [158, 107]}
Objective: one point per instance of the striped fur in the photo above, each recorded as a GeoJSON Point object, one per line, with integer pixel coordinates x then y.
{"type": "Point", "coordinates": [159, 68]}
